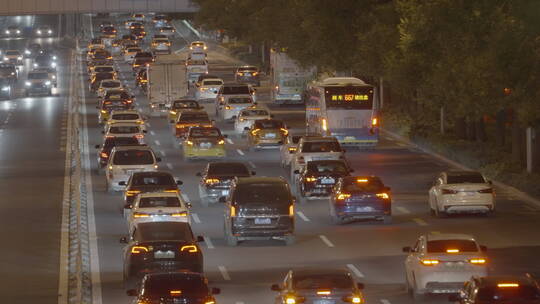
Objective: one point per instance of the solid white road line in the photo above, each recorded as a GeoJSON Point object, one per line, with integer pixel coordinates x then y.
{"type": "Point", "coordinates": [230, 141]}
{"type": "Point", "coordinates": [224, 273]}
{"type": "Point", "coordinates": [196, 218]}
{"type": "Point", "coordinates": [420, 221]}
{"type": "Point", "coordinates": [403, 210]}
{"type": "Point", "coordinates": [148, 124]}
{"type": "Point", "coordinates": [208, 242]}
{"type": "Point", "coordinates": [240, 151]}
{"type": "Point", "coordinates": [355, 270]}
{"type": "Point", "coordinates": [162, 153]}
{"type": "Point", "coordinates": [185, 197]}
{"type": "Point", "coordinates": [326, 241]}
{"type": "Point", "coordinates": [157, 142]}
{"type": "Point", "coordinates": [252, 164]}
{"type": "Point", "coordinates": [385, 301]}
{"type": "Point", "coordinates": [169, 165]}
{"type": "Point", "coordinates": [302, 216]}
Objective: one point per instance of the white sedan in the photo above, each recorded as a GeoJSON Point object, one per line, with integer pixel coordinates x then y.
{"type": "Point", "coordinates": [246, 118]}
{"type": "Point", "coordinates": [130, 53]}
{"type": "Point", "coordinates": [122, 129]}
{"type": "Point", "coordinates": [126, 116]}
{"type": "Point", "coordinates": [158, 207]}
{"type": "Point", "coordinates": [208, 89]}
{"type": "Point", "coordinates": [107, 85]}
{"type": "Point", "coordinates": [461, 192]}
{"type": "Point", "coordinates": [441, 263]}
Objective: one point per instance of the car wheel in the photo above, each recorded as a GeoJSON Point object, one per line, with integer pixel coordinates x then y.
{"type": "Point", "coordinates": [440, 214]}
{"type": "Point", "coordinates": [387, 219]}
{"type": "Point", "coordinates": [290, 240]}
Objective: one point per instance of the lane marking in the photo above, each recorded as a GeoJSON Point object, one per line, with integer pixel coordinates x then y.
{"type": "Point", "coordinates": [240, 151]}
{"type": "Point", "coordinates": [355, 270]}
{"type": "Point", "coordinates": [420, 221]}
{"type": "Point", "coordinates": [157, 142]}
{"type": "Point", "coordinates": [385, 301]}
{"type": "Point", "coordinates": [252, 164]}
{"type": "Point", "coordinates": [148, 124]}
{"type": "Point", "coordinates": [302, 216]}
{"type": "Point", "coordinates": [196, 218]}
{"type": "Point", "coordinates": [326, 241]}
{"type": "Point", "coordinates": [224, 273]}
{"type": "Point", "coordinates": [162, 153]}
{"type": "Point", "coordinates": [230, 141]}
{"type": "Point", "coordinates": [169, 165]}
{"type": "Point", "coordinates": [403, 210]}
{"type": "Point", "coordinates": [185, 197]}
{"type": "Point", "coordinates": [152, 132]}
{"type": "Point", "coordinates": [208, 242]}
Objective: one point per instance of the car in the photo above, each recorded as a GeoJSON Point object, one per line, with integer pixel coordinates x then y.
{"type": "Point", "coordinates": [13, 31]}
{"type": "Point", "coordinates": [259, 208]}
{"type": "Point", "coordinates": [44, 31]}
{"type": "Point", "coordinates": [461, 192]}
{"type": "Point", "coordinates": [6, 88]}
{"type": "Point", "coordinates": [182, 105]}
{"type": "Point", "coordinates": [138, 17]}
{"type": "Point", "coordinates": [247, 117]}
{"type": "Point", "coordinates": [126, 116]}
{"type": "Point", "coordinates": [38, 83]}
{"type": "Point", "coordinates": [216, 179]}
{"type": "Point", "coordinates": [97, 78]}
{"type": "Point", "coordinates": [207, 89]}
{"type": "Point", "coordinates": [45, 61]}
{"type": "Point", "coordinates": [160, 20]}
{"type": "Point", "coordinates": [9, 72]}
{"type": "Point", "coordinates": [119, 94]}
{"type": "Point", "coordinates": [318, 285]}
{"type": "Point", "coordinates": [96, 43]}
{"type": "Point", "coordinates": [108, 84]}
{"type": "Point", "coordinates": [167, 30]}
{"type": "Point", "coordinates": [206, 76]}
{"type": "Point", "coordinates": [248, 74]}
{"type": "Point", "coordinates": [155, 247]}
{"type": "Point", "coordinates": [13, 56]}
{"type": "Point", "coordinates": [123, 129]}
{"type": "Point", "coordinates": [105, 23]}
{"type": "Point", "coordinates": [315, 148]}
{"type": "Point", "coordinates": [161, 46]}
{"type": "Point", "coordinates": [359, 198]}
{"type": "Point", "coordinates": [233, 90]}
{"type": "Point", "coordinates": [144, 182]}
{"type": "Point", "coordinates": [144, 55]}
{"type": "Point", "coordinates": [109, 143]}
{"type": "Point", "coordinates": [101, 69]}
{"type": "Point", "coordinates": [266, 133]}
{"type": "Point", "coordinates": [116, 46]}
{"type": "Point", "coordinates": [174, 287]}
{"type": "Point", "coordinates": [140, 63]}
{"type": "Point", "coordinates": [52, 74]}
{"type": "Point", "coordinates": [197, 55]}
{"type": "Point", "coordinates": [318, 177]}
{"type": "Point", "coordinates": [137, 25]}
{"type": "Point", "coordinates": [230, 107]}
{"type": "Point", "coordinates": [188, 119]}
{"type": "Point", "coordinates": [523, 289]}
{"type": "Point", "coordinates": [161, 36]}
{"type": "Point", "coordinates": [141, 79]}
{"type": "Point", "coordinates": [130, 52]}
{"type": "Point", "coordinates": [101, 62]}
{"type": "Point", "coordinates": [128, 23]}
{"type": "Point", "coordinates": [162, 206]}
{"type": "Point", "coordinates": [111, 104]}
{"type": "Point", "coordinates": [98, 54]}
{"type": "Point", "coordinates": [125, 160]}
{"type": "Point", "coordinates": [194, 69]}
{"type": "Point", "coordinates": [289, 146]}
{"type": "Point", "coordinates": [442, 262]}
{"type": "Point", "coordinates": [140, 33]}
{"type": "Point", "coordinates": [198, 46]}
{"type": "Point", "coordinates": [32, 50]}
{"type": "Point", "coordinates": [204, 143]}
{"type": "Point", "coordinates": [108, 32]}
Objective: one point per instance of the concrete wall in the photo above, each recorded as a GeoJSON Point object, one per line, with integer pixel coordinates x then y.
{"type": "Point", "coordinates": [34, 7]}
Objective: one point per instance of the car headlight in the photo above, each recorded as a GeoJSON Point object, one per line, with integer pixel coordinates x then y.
{"type": "Point", "coordinates": [53, 64]}
{"type": "Point", "coordinates": [27, 83]}
{"type": "Point", "coordinates": [19, 58]}
{"type": "Point", "coordinates": [47, 82]}
{"type": "Point", "coordinates": [5, 89]}
{"type": "Point", "coordinates": [7, 32]}
{"type": "Point", "coordinates": [6, 59]}
{"type": "Point", "coordinates": [53, 76]}
{"type": "Point", "coordinates": [12, 73]}
{"type": "Point", "coordinates": [18, 32]}
{"type": "Point", "coordinates": [35, 65]}
{"type": "Point", "coordinates": [50, 32]}
{"type": "Point", "coordinates": [54, 57]}
{"type": "Point", "coordinates": [39, 32]}
{"type": "Point", "coordinates": [27, 52]}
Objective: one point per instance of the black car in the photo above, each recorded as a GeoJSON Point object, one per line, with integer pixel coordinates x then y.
{"type": "Point", "coordinates": [143, 182]}
{"type": "Point", "coordinates": [97, 78]}
{"type": "Point", "coordinates": [140, 63]}
{"type": "Point", "coordinates": [46, 60]}
{"type": "Point", "coordinates": [139, 33]}
{"type": "Point", "coordinates": [499, 289]}
{"type": "Point", "coordinates": [259, 208]}
{"type": "Point", "coordinates": [360, 198]}
{"type": "Point", "coordinates": [318, 177]}
{"type": "Point", "coordinates": [141, 79]}
{"type": "Point", "coordinates": [32, 50]}
{"type": "Point", "coordinates": [157, 247]}
{"type": "Point", "coordinates": [109, 143]}
{"type": "Point", "coordinates": [318, 286]}
{"type": "Point", "coordinates": [216, 179]}
{"type": "Point", "coordinates": [248, 74]}
{"type": "Point", "coordinates": [9, 72]}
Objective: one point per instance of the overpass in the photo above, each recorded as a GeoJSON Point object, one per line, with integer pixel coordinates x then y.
{"type": "Point", "coordinates": [34, 7]}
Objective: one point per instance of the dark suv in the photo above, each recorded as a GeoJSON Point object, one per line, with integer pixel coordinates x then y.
{"type": "Point", "coordinates": [259, 208]}
{"type": "Point", "coordinates": [318, 177]}
{"type": "Point", "coordinates": [216, 179]}
{"type": "Point", "coordinates": [174, 287]}
{"type": "Point", "coordinates": [248, 74]}
{"type": "Point", "coordinates": [149, 181]}
{"type": "Point", "coordinates": [109, 143]}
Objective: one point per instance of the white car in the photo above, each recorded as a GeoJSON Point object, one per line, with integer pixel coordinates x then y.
{"type": "Point", "coordinates": [246, 117]}
{"type": "Point", "coordinates": [461, 192]}
{"type": "Point", "coordinates": [126, 116]}
{"type": "Point", "coordinates": [288, 148]}
{"type": "Point", "coordinates": [158, 207]}
{"type": "Point", "coordinates": [230, 108]}
{"type": "Point", "coordinates": [208, 89]}
{"type": "Point", "coordinates": [198, 46]}
{"type": "Point", "coordinates": [314, 148]}
{"type": "Point", "coordinates": [138, 17]}
{"type": "Point", "coordinates": [124, 129]}
{"type": "Point", "coordinates": [441, 263]}
{"type": "Point", "coordinates": [109, 84]}
{"type": "Point", "coordinates": [161, 46]}
{"type": "Point", "coordinates": [124, 160]}
{"type": "Point", "coordinates": [44, 31]}
{"type": "Point", "coordinates": [130, 53]}
{"type": "Point", "coordinates": [197, 55]}
{"type": "Point", "coordinates": [167, 30]}
{"type": "Point", "coordinates": [13, 56]}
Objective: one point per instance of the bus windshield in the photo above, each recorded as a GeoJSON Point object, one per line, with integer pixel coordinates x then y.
{"type": "Point", "coordinates": [359, 98]}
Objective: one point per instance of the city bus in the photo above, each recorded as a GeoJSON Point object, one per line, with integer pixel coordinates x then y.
{"type": "Point", "coordinates": [343, 107]}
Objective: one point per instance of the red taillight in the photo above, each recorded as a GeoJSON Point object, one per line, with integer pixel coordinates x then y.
{"type": "Point", "coordinates": [139, 136]}
{"type": "Point", "coordinates": [301, 160]}
{"type": "Point", "coordinates": [448, 191]}
{"type": "Point", "coordinates": [104, 155]}
{"type": "Point", "coordinates": [489, 190]}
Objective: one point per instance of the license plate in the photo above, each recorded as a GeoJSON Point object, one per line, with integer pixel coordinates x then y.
{"type": "Point", "coordinates": [205, 145]}
{"type": "Point", "coordinates": [349, 138]}
{"type": "Point", "coordinates": [271, 135]}
{"type": "Point", "coordinates": [225, 192]}
{"type": "Point", "coordinates": [323, 302]}
{"type": "Point", "coordinates": [327, 181]}
{"type": "Point", "coordinates": [248, 74]}
{"type": "Point", "coordinates": [364, 209]}
{"type": "Point", "coordinates": [263, 221]}
{"type": "Point", "coordinates": [164, 255]}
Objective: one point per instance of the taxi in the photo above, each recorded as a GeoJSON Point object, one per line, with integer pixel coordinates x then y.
{"type": "Point", "coordinates": [204, 143]}
{"type": "Point", "coordinates": [189, 119]}
{"type": "Point", "coordinates": [266, 133]}
{"type": "Point", "coordinates": [108, 105]}
{"type": "Point", "coordinates": [182, 105]}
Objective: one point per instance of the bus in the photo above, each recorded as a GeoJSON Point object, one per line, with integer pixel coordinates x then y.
{"type": "Point", "coordinates": [343, 107]}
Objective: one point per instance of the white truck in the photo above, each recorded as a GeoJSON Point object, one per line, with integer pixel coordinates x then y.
{"type": "Point", "coordinates": [288, 78]}
{"type": "Point", "coordinates": [166, 82]}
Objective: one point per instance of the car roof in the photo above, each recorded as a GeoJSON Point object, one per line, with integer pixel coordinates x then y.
{"type": "Point", "coordinates": [496, 279]}
{"type": "Point", "coordinates": [319, 271]}
{"type": "Point", "coordinates": [134, 147]}
{"type": "Point", "coordinates": [340, 81]}
{"type": "Point", "coordinates": [318, 138]}
{"type": "Point", "coordinates": [152, 173]}
{"type": "Point", "coordinates": [158, 194]}
{"type": "Point", "coordinates": [458, 173]}
{"type": "Point", "coordinates": [449, 236]}
{"type": "Point", "coordinates": [260, 180]}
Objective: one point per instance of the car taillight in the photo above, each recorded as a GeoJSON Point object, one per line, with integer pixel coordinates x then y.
{"type": "Point", "coordinates": [489, 190]}
{"type": "Point", "coordinates": [343, 196]}
{"type": "Point", "coordinates": [104, 155]}
{"type": "Point", "coordinates": [383, 195]}
{"type": "Point", "coordinates": [311, 179]}
{"type": "Point", "coordinates": [139, 136]}
{"type": "Point", "coordinates": [233, 211]}
{"type": "Point", "coordinates": [284, 131]}
{"type": "Point", "coordinates": [478, 261]}
{"type": "Point", "coordinates": [211, 181]}
{"type": "Point", "coordinates": [140, 215]}
{"type": "Point", "coordinates": [139, 249]}
{"type": "Point", "coordinates": [254, 132]}
{"type": "Point", "coordinates": [429, 262]}
{"type": "Point", "coordinates": [374, 121]}
{"type": "Point", "coordinates": [179, 214]}
{"type": "Point", "coordinates": [132, 192]}
{"type": "Point", "coordinates": [292, 149]}
{"type": "Point", "coordinates": [189, 248]}
{"type": "Point", "coordinates": [301, 160]}
{"type": "Point", "coordinates": [228, 107]}
{"type": "Point", "coordinates": [291, 210]}
{"type": "Point", "coordinates": [448, 191]}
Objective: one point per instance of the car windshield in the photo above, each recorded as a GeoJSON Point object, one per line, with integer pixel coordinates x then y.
{"type": "Point", "coordinates": [124, 129]}
{"type": "Point", "coordinates": [263, 193]}
{"type": "Point", "coordinates": [117, 106]}
{"type": "Point", "coordinates": [322, 281]}
{"type": "Point", "coordinates": [133, 157]}
{"type": "Point", "coordinates": [110, 84]}
{"type": "Point", "coordinates": [101, 76]}
{"type": "Point", "coordinates": [103, 69]}
{"type": "Point", "coordinates": [143, 55]}
{"type": "Point", "coordinates": [163, 231]}
{"type": "Point", "coordinates": [125, 116]}
{"type": "Point", "coordinates": [152, 180]}
{"type": "Point", "coordinates": [141, 61]}
{"type": "Point", "coordinates": [133, 50]}
{"type": "Point", "coordinates": [247, 69]}
{"type": "Point", "coordinates": [228, 169]}
{"type": "Point", "coordinates": [38, 76]}
{"type": "Point", "coordinates": [268, 124]}
{"type": "Point", "coordinates": [167, 28]}
{"type": "Point", "coordinates": [212, 82]}
{"type": "Point", "coordinates": [156, 202]}
{"type": "Point", "coordinates": [362, 184]}
{"type": "Point", "coordinates": [204, 132]}
{"type": "Point", "coordinates": [117, 94]}
{"type": "Point", "coordinates": [196, 62]}
{"type": "Point", "coordinates": [119, 141]}
{"type": "Point", "coordinates": [185, 104]}
{"type": "Point", "coordinates": [231, 90]}
{"type": "Point", "coordinates": [466, 178]}
{"type": "Point", "coordinates": [197, 44]}
{"type": "Point", "coordinates": [327, 167]}
{"type": "Point", "coordinates": [163, 285]}
{"type": "Point", "coordinates": [442, 246]}
{"type": "Point", "coordinates": [321, 147]}
{"type": "Point", "coordinates": [12, 53]}
{"type": "Point", "coordinates": [194, 117]}
{"type": "Point", "coordinates": [508, 294]}
{"type": "Point", "coordinates": [254, 113]}
{"type": "Point", "coordinates": [240, 100]}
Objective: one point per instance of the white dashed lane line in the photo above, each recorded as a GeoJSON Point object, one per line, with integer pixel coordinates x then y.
{"type": "Point", "coordinates": [326, 241]}
{"type": "Point", "coordinates": [230, 141]}
{"type": "Point", "coordinates": [240, 151]}
{"type": "Point", "coordinates": [157, 142]}
{"type": "Point", "coordinates": [302, 216]}
{"type": "Point", "coordinates": [170, 166]}
{"type": "Point", "coordinates": [185, 197]}
{"type": "Point", "coordinates": [252, 164]}
{"type": "Point", "coordinates": [196, 218]}
{"type": "Point", "coordinates": [420, 221]}
{"type": "Point", "coordinates": [385, 301]}
{"type": "Point", "coordinates": [208, 242]}
{"type": "Point", "coordinates": [162, 153]}
{"type": "Point", "coordinates": [224, 273]}
{"type": "Point", "coordinates": [355, 270]}
{"type": "Point", "coordinates": [152, 132]}
{"type": "Point", "coordinates": [403, 210]}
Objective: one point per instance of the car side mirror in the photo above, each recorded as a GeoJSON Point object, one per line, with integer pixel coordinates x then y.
{"type": "Point", "coordinates": [158, 159]}
{"type": "Point", "coordinates": [296, 171]}
{"type": "Point", "coordinates": [102, 132]}
{"type": "Point", "coordinates": [253, 173]}
{"type": "Point", "coordinates": [360, 286]}
{"type": "Point", "coordinates": [216, 290]}
{"type": "Point", "coordinates": [198, 174]}
{"type": "Point", "coordinates": [490, 182]}
{"type": "Point", "coordinates": [454, 297]}
{"type": "Point", "coordinates": [122, 183]}
{"type": "Point", "coordinates": [225, 136]}
{"type": "Point", "coordinates": [275, 287]}
{"type": "Point", "coordinates": [222, 199]}
{"type": "Point", "coordinates": [179, 182]}
{"type": "Point", "coordinates": [144, 131]}
{"type": "Point", "coordinates": [406, 249]}
{"type": "Point", "coordinates": [131, 292]}
{"type": "Point", "coordinates": [246, 129]}
{"type": "Point", "coordinates": [123, 240]}
{"type": "Point", "coordinates": [483, 248]}
{"type": "Point", "coordinates": [97, 146]}
{"type": "Point", "coordinates": [200, 239]}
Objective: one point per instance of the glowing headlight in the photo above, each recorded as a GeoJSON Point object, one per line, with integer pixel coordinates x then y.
{"type": "Point", "coordinates": [12, 73]}
{"type": "Point", "coordinates": [27, 52]}
{"type": "Point", "coordinates": [54, 57]}
{"type": "Point", "coordinates": [39, 32]}
{"type": "Point", "coordinates": [27, 83]}
{"type": "Point", "coordinates": [18, 32]}
{"type": "Point", "coordinates": [6, 59]}
{"type": "Point", "coordinates": [53, 76]}
{"type": "Point", "coordinates": [35, 65]}
{"type": "Point", "coordinates": [47, 82]}
{"type": "Point", "coordinates": [19, 58]}
{"type": "Point", "coordinates": [50, 32]}
{"type": "Point", "coordinates": [53, 64]}
{"type": "Point", "coordinates": [7, 32]}
{"type": "Point", "coordinates": [5, 89]}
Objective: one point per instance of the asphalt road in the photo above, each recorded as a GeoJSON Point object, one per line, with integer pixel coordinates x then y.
{"type": "Point", "coordinates": [372, 251]}
{"type": "Point", "coordinates": [32, 141]}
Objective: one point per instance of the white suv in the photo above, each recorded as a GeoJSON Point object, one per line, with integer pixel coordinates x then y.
{"type": "Point", "coordinates": [441, 263]}
{"type": "Point", "coordinates": [124, 160]}
{"type": "Point", "coordinates": [314, 148]}
{"type": "Point", "coordinates": [158, 207]}
{"type": "Point", "coordinates": [208, 89]}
